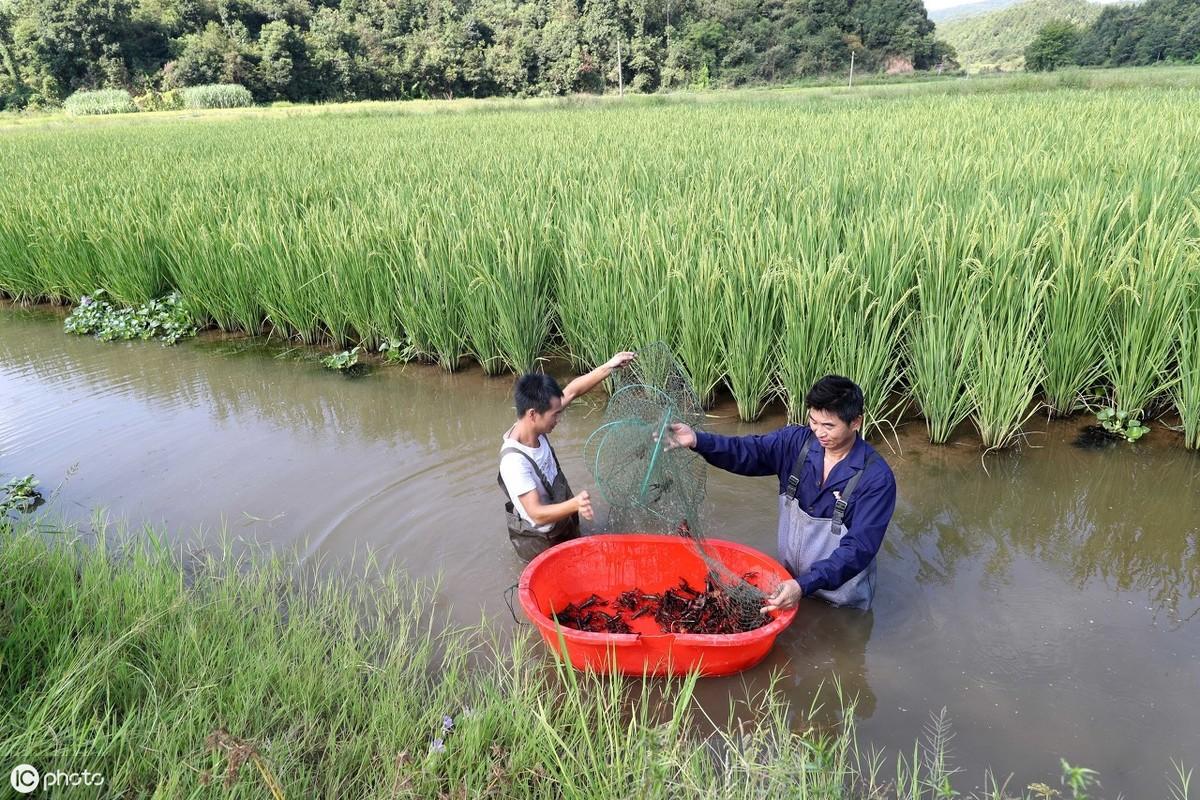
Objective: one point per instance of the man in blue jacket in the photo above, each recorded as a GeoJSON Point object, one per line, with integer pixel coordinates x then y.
{"type": "Point", "coordinates": [836, 494]}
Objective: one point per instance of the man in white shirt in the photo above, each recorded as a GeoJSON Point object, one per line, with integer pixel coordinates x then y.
{"type": "Point", "coordinates": [541, 509]}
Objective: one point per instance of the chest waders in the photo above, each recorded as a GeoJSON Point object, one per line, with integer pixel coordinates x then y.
{"type": "Point", "coordinates": [526, 539]}
{"type": "Point", "coordinates": [805, 540]}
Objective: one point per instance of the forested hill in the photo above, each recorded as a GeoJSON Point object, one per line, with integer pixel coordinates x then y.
{"type": "Point", "coordinates": [1140, 34]}
{"type": "Point", "coordinates": [968, 10]}
{"type": "Point", "coordinates": [997, 40]}
{"type": "Point", "coordinates": [306, 50]}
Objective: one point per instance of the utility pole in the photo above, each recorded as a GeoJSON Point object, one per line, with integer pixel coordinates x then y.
{"type": "Point", "coordinates": [852, 68]}
{"type": "Point", "coordinates": [620, 78]}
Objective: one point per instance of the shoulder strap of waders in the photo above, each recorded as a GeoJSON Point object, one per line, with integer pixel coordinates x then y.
{"type": "Point", "coordinates": [793, 484]}
{"type": "Point", "coordinates": [536, 469]}
{"type": "Point", "coordinates": [843, 502]}
{"type": "Point", "coordinates": [557, 466]}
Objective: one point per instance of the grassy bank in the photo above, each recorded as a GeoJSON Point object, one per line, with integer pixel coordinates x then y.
{"type": "Point", "coordinates": [201, 674]}
{"type": "Point", "coordinates": [976, 248]}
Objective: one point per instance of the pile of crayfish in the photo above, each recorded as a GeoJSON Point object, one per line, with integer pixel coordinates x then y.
{"type": "Point", "coordinates": [678, 609]}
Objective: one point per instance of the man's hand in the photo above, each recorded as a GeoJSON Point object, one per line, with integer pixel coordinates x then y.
{"type": "Point", "coordinates": [680, 435]}
{"type": "Point", "coordinates": [786, 596]}
{"type": "Point", "coordinates": [585, 505]}
{"type": "Point", "coordinates": [620, 360]}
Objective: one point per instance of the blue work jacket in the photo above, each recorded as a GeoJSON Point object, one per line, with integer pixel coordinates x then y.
{"type": "Point", "coordinates": [871, 505]}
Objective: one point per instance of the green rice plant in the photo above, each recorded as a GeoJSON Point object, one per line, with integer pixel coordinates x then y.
{"type": "Point", "coordinates": [214, 271]}
{"type": "Point", "coordinates": [1010, 350]}
{"type": "Point", "coordinates": [696, 282]}
{"type": "Point", "coordinates": [875, 316]}
{"type": "Point", "coordinates": [653, 224]}
{"type": "Point", "coordinates": [613, 287]}
{"type": "Point", "coordinates": [1079, 247]}
{"type": "Point", "coordinates": [1151, 288]}
{"type": "Point", "coordinates": [20, 277]}
{"type": "Point", "coordinates": [810, 326]}
{"type": "Point", "coordinates": [508, 301]}
{"type": "Point", "coordinates": [431, 290]}
{"type": "Point", "coordinates": [217, 95]}
{"type": "Point", "coordinates": [1186, 391]}
{"type": "Point", "coordinates": [748, 322]}
{"type": "Point", "coordinates": [944, 339]}
{"type": "Point", "coordinates": [100, 101]}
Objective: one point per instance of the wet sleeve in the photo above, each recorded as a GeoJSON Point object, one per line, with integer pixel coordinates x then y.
{"type": "Point", "coordinates": [517, 474]}
{"type": "Point", "coordinates": [867, 520]}
{"type": "Point", "coordinates": [762, 454]}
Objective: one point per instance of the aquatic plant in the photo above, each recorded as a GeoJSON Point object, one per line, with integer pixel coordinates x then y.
{"type": "Point", "coordinates": [342, 361]}
{"type": "Point", "coordinates": [1122, 423]}
{"type": "Point", "coordinates": [166, 319]}
{"type": "Point", "coordinates": [20, 495]}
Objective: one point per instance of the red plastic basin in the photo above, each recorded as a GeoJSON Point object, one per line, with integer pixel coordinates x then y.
{"type": "Point", "coordinates": [609, 564]}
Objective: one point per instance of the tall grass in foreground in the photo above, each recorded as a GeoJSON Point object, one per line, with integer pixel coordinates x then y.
{"type": "Point", "coordinates": [247, 677]}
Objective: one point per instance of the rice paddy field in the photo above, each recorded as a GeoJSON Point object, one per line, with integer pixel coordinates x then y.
{"type": "Point", "coordinates": [969, 257]}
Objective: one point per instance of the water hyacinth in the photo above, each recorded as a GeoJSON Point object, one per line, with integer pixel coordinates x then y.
{"type": "Point", "coordinates": [167, 319]}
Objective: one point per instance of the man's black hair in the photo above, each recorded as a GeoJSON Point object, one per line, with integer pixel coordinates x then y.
{"type": "Point", "coordinates": [837, 395]}
{"type": "Point", "coordinates": [535, 390]}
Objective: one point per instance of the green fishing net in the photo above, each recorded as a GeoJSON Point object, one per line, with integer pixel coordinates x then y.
{"type": "Point", "coordinates": [649, 487]}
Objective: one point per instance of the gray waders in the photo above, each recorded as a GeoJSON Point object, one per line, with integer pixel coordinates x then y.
{"type": "Point", "coordinates": [805, 540]}
{"type": "Point", "coordinates": [526, 539]}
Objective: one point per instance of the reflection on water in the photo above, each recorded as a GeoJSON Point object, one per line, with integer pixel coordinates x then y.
{"type": "Point", "coordinates": [1127, 518]}
{"type": "Point", "coordinates": [1050, 603]}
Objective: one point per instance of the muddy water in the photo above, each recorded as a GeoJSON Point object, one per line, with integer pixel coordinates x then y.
{"type": "Point", "coordinates": [1050, 604]}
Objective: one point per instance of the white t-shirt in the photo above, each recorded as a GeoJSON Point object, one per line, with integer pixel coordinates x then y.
{"type": "Point", "coordinates": [519, 477]}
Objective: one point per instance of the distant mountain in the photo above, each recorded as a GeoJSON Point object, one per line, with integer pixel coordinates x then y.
{"type": "Point", "coordinates": [969, 10]}
{"type": "Point", "coordinates": [997, 39]}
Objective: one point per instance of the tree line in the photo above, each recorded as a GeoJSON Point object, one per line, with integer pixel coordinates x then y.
{"type": "Point", "coordinates": [1151, 32]}
{"type": "Point", "coordinates": [337, 50]}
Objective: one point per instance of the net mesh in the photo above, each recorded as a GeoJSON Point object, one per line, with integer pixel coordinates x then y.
{"type": "Point", "coordinates": [649, 486]}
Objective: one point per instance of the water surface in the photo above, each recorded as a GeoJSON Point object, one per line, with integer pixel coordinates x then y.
{"type": "Point", "coordinates": [1049, 603]}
